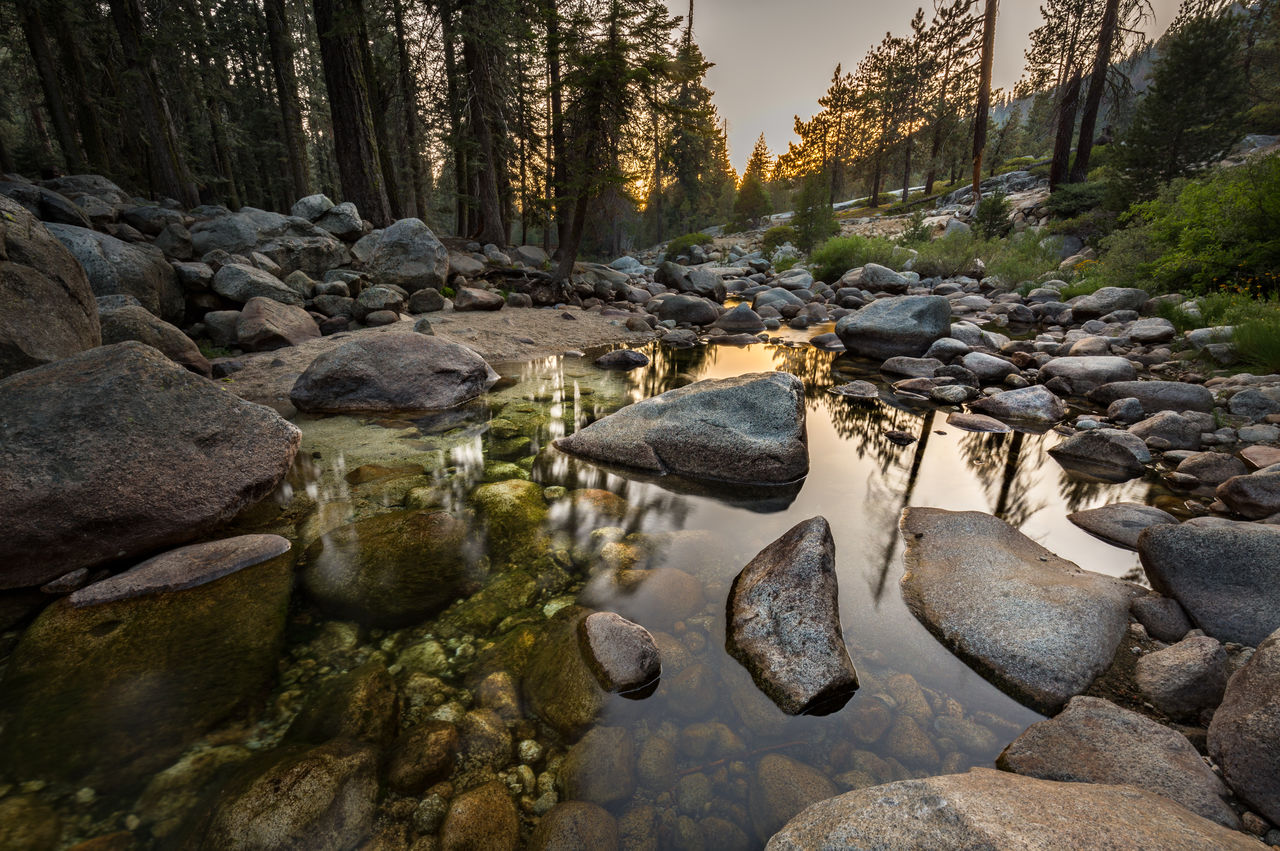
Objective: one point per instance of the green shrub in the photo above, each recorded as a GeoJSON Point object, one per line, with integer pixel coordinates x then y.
{"type": "Point", "coordinates": [1084, 286]}
{"type": "Point", "coordinates": [947, 257]}
{"type": "Point", "coordinates": [1024, 257]}
{"type": "Point", "coordinates": [991, 218]}
{"type": "Point", "coordinates": [776, 237]}
{"type": "Point", "coordinates": [1075, 199]}
{"type": "Point", "coordinates": [838, 255]}
{"type": "Point", "coordinates": [1258, 341]}
{"type": "Point", "coordinates": [785, 263]}
{"type": "Point", "coordinates": [814, 220]}
{"type": "Point", "coordinates": [917, 232]}
{"type": "Point", "coordinates": [447, 292]}
{"type": "Point", "coordinates": [682, 244]}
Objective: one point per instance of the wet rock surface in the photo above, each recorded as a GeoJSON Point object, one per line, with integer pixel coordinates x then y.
{"type": "Point", "coordinates": [1045, 638]}
{"type": "Point", "coordinates": [993, 809]}
{"type": "Point", "coordinates": [1244, 738]}
{"type": "Point", "coordinates": [621, 654]}
{"type": "Point", "coordinates": [748, 429]}
{"type": "Point", "coordinates": [784, 622]}
{"type": "Point", "coordinates": [118, 452]}
{"type": "Point", "coordinates": [1121, 523]}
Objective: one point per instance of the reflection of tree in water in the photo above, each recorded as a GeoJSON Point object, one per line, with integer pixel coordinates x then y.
{"type": "Point", "coordinates": [1005, 465]}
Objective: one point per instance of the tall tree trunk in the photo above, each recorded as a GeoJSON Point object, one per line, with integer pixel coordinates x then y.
{"type": "Point", "coordinates": [95, 146]}
{"type": "Point", "coordinates": [166, 161]}
{"type": "Point", "coordinates": [1068, 106]}
{"type": "Point", "coordinates": [573, 243]}
{"type": "Point", "coordinates": [47, 71]}
{"type": "Point", "coordinates": [479, 63]}
{"type": "Point", "coordinates": [984, 94]}
{"type": "Point", "coordinates": [280, 43]}
{"type": "Point", "coordinates": [379, 104]}
{"type": "Point", "coordinates": [416, 203]}
{"type": "Point", "coordinates": [906, 168]}
{"type": "Point", "coordinates": [461, 179]}
{"type": "Point", "coordinates": [1097, 85]}
{"type": "Point", "coordinates": [559, 174]}
{"type": "Point", "coordinates": [936, 148]}
{"type": "Point", "coordinates": [214, 84]}
{"type": "Point", "coordinates": [6, 159]}
{"type": "Point", "coordinates": [354, 144]}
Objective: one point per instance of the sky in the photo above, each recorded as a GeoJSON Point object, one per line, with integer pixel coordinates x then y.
{"type": "Point", "coordinates": [774, 59]}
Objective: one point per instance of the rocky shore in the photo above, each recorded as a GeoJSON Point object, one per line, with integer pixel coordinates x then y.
{"type": "Point", "coordinates": [244, 665]}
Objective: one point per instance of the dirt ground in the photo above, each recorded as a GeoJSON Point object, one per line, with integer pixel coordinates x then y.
{"type": "Point", "coordinates": [507, 335]}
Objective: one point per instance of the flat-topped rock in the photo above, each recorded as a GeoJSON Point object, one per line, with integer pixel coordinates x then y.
{"type": "Point", "coordinates": [1035, 406]}
{"type": "Point", "coordinates": [392, 372]}
{"type": "Point", "coordinates": [749, 429]}
{"type": "Point", "coordinates": [186, 567]}
{"type": "Point", "coordinates": [900, 326]}
{"type": "Point", "coordinates": [117, 452]}
{"type": "Point", "coordinates": [784, 623]}
{"type": "Point", "coordinates": [987, 809]}
{"type": "Point", "coordinates": [1051, 630]}
{"type": "Point", "coordinates": [1121, 523]}
{"type": "Point", "coordinates": [1088, 373]}
{"type": "Point", "coordinates": [1226, 576]}
{"type": "Point", "coordinates": [1156, 396]}
{"type": "Point", "coordinates": [1095, 741]}
{"type": "Point", "coordinates": [978, 423]}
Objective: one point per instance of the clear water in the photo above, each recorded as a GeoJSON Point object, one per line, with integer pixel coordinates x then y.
{"type": "Point", "coordinates": [688, 782]}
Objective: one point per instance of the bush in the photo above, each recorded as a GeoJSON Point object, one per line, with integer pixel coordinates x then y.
{"type": "Point", "coordinates": [681, 245]}
{"type": "Point", "coordinates": [947, 257]}
{"type": "Point", "coordinates": [991, 218]}
{"type": "Point", "coordinates": [836, 256]}
{"type": "Point", "coordinates": [785, 263]}
{"type": "Point", "coordinates": [814, 220]}
{"type": "Point", "coordinates": [1076, 199]}
{"type": "Point", "coordinates": [917, 232]}
{"type": "Point", "coordinates": [1258, 341]}
{"type": "Point", "coordinates": [776, 237]}
{"type": "Point", "coordinates": [1025, 257]}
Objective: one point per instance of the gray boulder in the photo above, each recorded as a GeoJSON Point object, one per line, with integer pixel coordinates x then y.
{"type": "Point", "coordinates": [1172, 430]}
{"type": "Point", "coordinates": [989, 368]}
{"type": "Point", "coordinates": [1095, 741]}
{"type": "Point", "coordinates": [1088, 373]}
{"type": "Point", "coordinates": [1212, 468]}
{"type": "Point", "coordinates": [621, 654]}
{"type": "Point", "coordinates": [472, 298]}
{"type": "Point", "coordinates": [134, 322]}
{"type": "Point", "coordinates": [1152, 330]}
{"type": "Point", "coordinates": [376, 299]}
{"type": "Point", "coordinates": [392, 372]}
{"type": "Point", "coordinates": [266, 324]}
{"type": "Point", "coordinates": [426, 300]}
{"type": "Point", "coordinates": [311, 207]}
{"type": "Point", "coordinates": [987, 809]}
{"type": "Point", "coordinates": [784, 623]}
{"type": "Point", "coordinates": [45, 204]}
{"type": "Point", "coordinates": [47, 309]}
{"type": "Point", "coordinates": [1184, 680]}
{"type": "Point", "coordinates": [1227, 577]}
{"type": "Point", "coordinates": [740, 320]}
{"type": "Point", "coordinates": [1244, 738]}
{"type": "Point", "coordinates": [408, 255]}
{"type": "Point", "coordinates": [1121, 523]}
{"type": "Point", "coordinates": [235, 233]}
{"type": "Point", "coordinates": [1255, 496]}
{"type": "Point", "coordinates": [1035, 407]}
{"type": "Point", "coordinates": [1254, 404]}
{"type": "Point", "coordinates": [687, 310]}
{"type": "Point", "coordinates": [1051, 630]}
{"type": "Point", "coordinates": [906, 325]}
{"type": "Point", "coordinates": [1107, 300]}
{"type": "Point", "coordinates": [119, 267]}
{"type": "Point", "coordinates": [240, 282]}
{"type": "Point", "coordinates": [1157, 395]}
{"type": "Point", "coordinates": [776, 297]}
{"type": "Point", "coordinates": [878, 277]}
{"type": "Point", "coordinates": [749, 430]}
{"type": "Point", "coordinates": [117, 452]}
{"type": "Point", "coordinates": [1105, 453]}
{"type": "Point", "coordinates": [343, 221]}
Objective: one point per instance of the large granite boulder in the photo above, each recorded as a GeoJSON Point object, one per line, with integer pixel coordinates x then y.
{"type": "Point", "coordinates": [242, 283]}
{"type": "Point", "coordinates": [1156, 396]}
{"type": "Point", "coordinates": [784, 623]}
{"type": "Point", "coordinates": [1048, 633]}
{"type": "Point", "coordinates": [110, 683]}
{"type": "Point", "coordinates": [1255, 496]}
{"type": "Point", "coordinates": [1107, 300]}
{"type": "Point", "coordinates": [749, 429]}
{"type": "Point", "coordinates": [47, 310]}
{"type": "Point", "coordinates": [134, 322]}
{"type": "Point", "coordinates": [1088, 373]}
{"type": "Point", "coordinates": [45, 204]}
{"type": "Point", "coordinates": [1226, 576]}
{"type": "Point", "coordinates": [266, 324]}
{"type": "Point", "coordinates": [686, 310]}
{"type": "Point", "coordinates": [892, 327]}
{"type": "Point", "coordinates": [408, 255]}
{"type": "Point", "coordinates": [118, 452]}
{"type": "Point", "coordinates": [1034, 407]}
{"type": "Point", "coordinates": [392, 372]}
{"type": "Point", "coordinates": [1121, 522]}
{"type": "Point", "coordinates": [987, 809]}
{"type": "Point", "coordinates": [1095, 741]}
{"type": "Point", "coordinates": [1107, 454]}
{"type": "Point", "coordinates": [1244, 738]}
{"type": "Point", "coordinates": [122, 268]}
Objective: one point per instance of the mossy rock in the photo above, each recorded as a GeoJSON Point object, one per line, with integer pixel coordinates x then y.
{"type": "Point", "coordinates": [390, 570]}
{"type": "Point", "coordinates": [110, 684]}
{"type": "Point", "coordinates": [509, 448]}
{"type": "Point", "coordinates": [361, 705]}
{"type": "Point", "coordinates": [501, 598]}
{"type": "Point", "coordinates": [558, 684]}
{"type": "Point", "coordinates": [513, 512]}
{"type": "Point", "coordinates": [502, 471]}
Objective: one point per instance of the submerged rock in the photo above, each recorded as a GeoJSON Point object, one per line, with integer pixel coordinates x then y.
{"type": "Point", "coordinates": [388, 570]}
{"type": "Point", "coordinates": [621, 654]}
{"type": "Point", "coordinates": [558, 685]}
{"type": "Point", "coordinates": [781, 788]}
{"type": "Point", "coordinates": [392, 372]}
{"type": "Point", "coordinates": [1244, 738]}
{"type": "Point", "coordinates": [1225, 576]}
{"type": "Point", "coordinates": [600, 769]}
{"type": "Point", "coordinates": [994, 809]}
{"type": "Point", "coordinates": [1051, 630]}
{"type": "Point", "coordinates": [891, 327]}
{"type": "Point", "coordinates": [784, 623]}
{"type": "Point", "coordinates": [749, 430]}
{"type": "Point", "coordinates": [1095, 741]}
{"type": "Point", "coordinates": [1122, 522]}
{"type": "Point", "coordinates": [118, 452]}
{"type": "Point", "coordinates": [111, 682]}
{"type": "Point", "coordinates": [483, 818]}
{"type": "Point", "coordinates": [575, 824]}
{"type": "Point", "coordinates": [47, 308]}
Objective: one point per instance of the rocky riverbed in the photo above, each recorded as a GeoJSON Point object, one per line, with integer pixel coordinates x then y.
{"type": "Point", "coordinates": [782, 553]}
